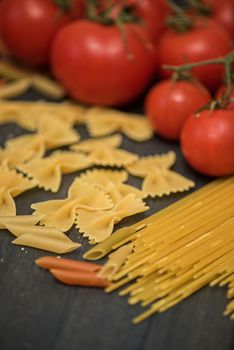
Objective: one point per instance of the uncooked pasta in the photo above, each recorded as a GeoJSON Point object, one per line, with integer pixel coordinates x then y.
{"type": "Point", "coordinates": [29, 234]}
{"type": "Point", "coordinates": [115, 261]}
{"type": "Point", "coordinates": [105, 121]}
{"type": "Point", "coordinates": [178, 250]}
{"type": "Point", "coordinates": [48, 171]}
{"type": "Point", "coordinates": [61, 213]}
{"type": "Point", "coordinates": [12, 184]}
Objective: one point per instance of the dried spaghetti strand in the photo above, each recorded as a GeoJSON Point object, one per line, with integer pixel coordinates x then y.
{"type": "Point", "coordinates": [124, 235]}
{"type": "Point", "coordinates": [179, 250]}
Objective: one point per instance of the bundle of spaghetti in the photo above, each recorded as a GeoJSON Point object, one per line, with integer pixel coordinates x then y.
{"type": "Point", "coordinates": [204, 195]}
{"type": "Point", "coordinates": [179, 250]}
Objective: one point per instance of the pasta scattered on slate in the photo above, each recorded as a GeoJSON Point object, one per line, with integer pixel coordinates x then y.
{"type": "Point", "coordinates": [115, 261]}
{"type": "Point", "coordinates": [164, 182]}
{"type": "Point", "coordinates": [144, 165]}
{"type": "Point", "coordinates": [99, 225]}
{"type": "Point", "coordinates": [28, 234]}
{"type": "Point", "coordinates": [90, 145]}
{"type": "Point", "coordinates": [105, 121]}
{"type": "Point", "coordinates": [27, 113]}
{"type": "Point", "coordinates": [61, 213]}
{"type": "Point", "coordinates": [47, 172]}
{"type": "Point", "coordinates": [12, 184]}
{"type": "Point", "coordinates": [112, 183]}
{"type": "Point", "coordinates": [178, 250]}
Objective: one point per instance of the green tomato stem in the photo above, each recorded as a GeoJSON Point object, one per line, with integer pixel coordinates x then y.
{"type": "Point", "coordinates": [189, 66]}
{"type": "Point", "coordinates": [199, 7]}
{"type": "Point", "coordinates": [179, 21]}
{"type": "Point", "coordinates": [103, 15]}
{"type": "Point", "coordinates": [228, 60]}
{"type": "Point", "coordinates": [65, 5]}
{"type": "Point", "coordinates": [225, 60]}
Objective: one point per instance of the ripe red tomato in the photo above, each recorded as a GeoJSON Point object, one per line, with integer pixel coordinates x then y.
{"type": "Point", "coordinates": [169, 104]}
{"type": "Point", "coordinates": [221, 91]}
{"type": "Point", "coordinates": [207, 40]}
{"type": "Point", "coordinates": [207, 142]}
{"type": "Point", "coordinates": [223, 12]}
{"type": "Point", "coordinates": [153, 14]}
{"type": "Point", "coordinates": [96, 65]}
{"type": "Point", "coordinates": [78, 9]}
{"type": "Point", "coordinates": [29, 26]}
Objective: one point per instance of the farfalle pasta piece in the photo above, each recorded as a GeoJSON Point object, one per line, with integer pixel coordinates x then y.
{"type": "Point", "coordinates": [17, 112]}
{"type": "Point", "coordinates": [46, 86]}
{"type": "Point", "coordinates": [104, 121]}
{"type": "Point", "coordinates": [99, 225]}
{"type": "Point", "coordinates": [7, 203]}
{"type": "Point", "coordinates": [61, 213]}
{"type": "Point", "coordinates": [163, 182]}
{"type": "Point", "coordinates": [112, 157]}
{"type": "Point", "coordinates": [71, 112]}
{"type": "Point", "coordinates": [47, 172]}
{"type": "Point", "coordinates": [51, 133]}
{"type": "Point", "coordinates": [137, 128]}
{"type": "Point", "coordinates": [107, 181]}
{"type": "Point", "coordinates": [11, 185]}
{"type": "Point", "coordinates": [14, 88]}
{"type": "Point", "coordinates": [103, 151]}
{"type": "Point", "coordinates": [90, 145]}
{"type": "Point", "coordinates": [22, 79]}
{"type": "Point", "coordinates": [101, 177]}
{"type": "Point", "coordinates": [27, 113]}
{"type": "Point", "coordinates": [112, 183]}
{"type": "Point", "coordinates": [88, 198]}
{"type": "Point", "coordinates": [13, 157]}
{"type": "Point", "coordinates": [33, 143]}
{"type": "Point", "coordinates": [125, 189]}
{"type": "Point", "coordinates": [56, 132]}
{"type": "Point", "coordinates": [146, 165]}
{"type": "Point", "coordinates": [65, 111]}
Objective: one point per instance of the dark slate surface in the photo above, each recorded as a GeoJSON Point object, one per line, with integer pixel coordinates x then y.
{"type": "Point", "coordinates": [36, 312]}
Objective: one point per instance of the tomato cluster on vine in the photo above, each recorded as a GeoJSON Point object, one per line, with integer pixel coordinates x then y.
{"type": "Point", "coordinates": [109, 53]}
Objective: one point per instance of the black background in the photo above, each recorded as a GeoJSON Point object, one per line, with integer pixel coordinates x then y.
{"type": "Point", "coordinates": [37, 312]}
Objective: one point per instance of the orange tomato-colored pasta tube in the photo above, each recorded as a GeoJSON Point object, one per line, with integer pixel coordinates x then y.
{"type": "Point", "coordinates": [79, 278]}
{"type": "Point", "coordinates": [52, 262]}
